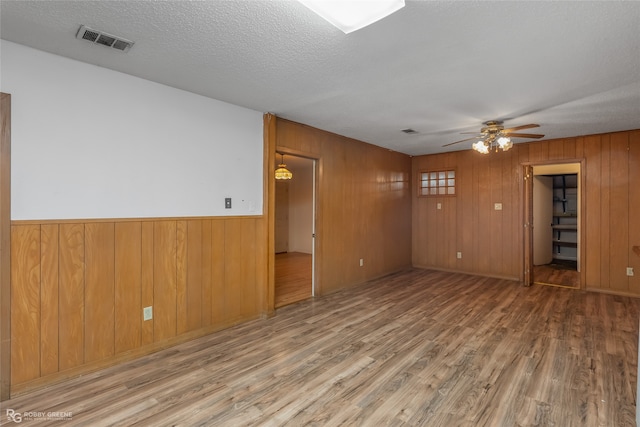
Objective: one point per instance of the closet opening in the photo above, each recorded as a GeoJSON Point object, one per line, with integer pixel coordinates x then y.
{"type": "Point", "coordinates": [556, 225]}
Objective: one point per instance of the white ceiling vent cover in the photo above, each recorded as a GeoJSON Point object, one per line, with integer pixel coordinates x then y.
{"type": "Point", "coordinates": [100, 37]}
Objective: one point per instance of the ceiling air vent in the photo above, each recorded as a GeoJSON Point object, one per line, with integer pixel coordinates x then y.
{"type": "Point", "coordinates": [99, 37]}
{"type": "Point", "coordinates": [410, 131]}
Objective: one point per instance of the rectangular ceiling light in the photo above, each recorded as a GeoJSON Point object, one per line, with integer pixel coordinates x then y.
{"type": "Point", "coordinates": [351, 15]}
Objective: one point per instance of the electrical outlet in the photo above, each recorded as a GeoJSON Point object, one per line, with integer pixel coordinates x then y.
{"type": "Point", "coordinates": [439, 206]}
{"type": "Point", "coordinates": [459, 255]}
{"type": "Point", "coordinates": [147, 313]}
{"type": "Point", "coordinates": [227, 203]}
{"type": "Point", "coordinates": [497, 206]}
{"type": "Point", "coordinates": [361, 262]}
{"type": "Point", "coordinates": [629, 271]}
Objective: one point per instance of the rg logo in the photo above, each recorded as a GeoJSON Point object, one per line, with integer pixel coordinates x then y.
{"type": "Point", "coordinates": [14, 416]}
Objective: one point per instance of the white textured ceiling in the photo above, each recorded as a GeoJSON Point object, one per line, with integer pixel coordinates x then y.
{"type": "Point", "coordinates": [439, 67]}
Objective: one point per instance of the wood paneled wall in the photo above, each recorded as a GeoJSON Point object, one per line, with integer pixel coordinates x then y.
{"type": "Point", "coordinates": [363, 205]}
{"type": "Point", "coordinates": [491, 241]}
{"type": "Point", "coordinates": [79, 288]}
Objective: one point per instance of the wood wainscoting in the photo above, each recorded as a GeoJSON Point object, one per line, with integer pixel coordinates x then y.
{"type": "Point", "coordinates": [79, 288]}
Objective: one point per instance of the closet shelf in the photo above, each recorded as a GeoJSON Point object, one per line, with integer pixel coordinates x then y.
{"type": "Point", "coordinates": [565, 243]}
{"type": "Point", "coordinates": [565, 214]}
{"type": "Point", "coordinates": [564, 226]}
{"type": "Point", "coordinates": [564, 257]}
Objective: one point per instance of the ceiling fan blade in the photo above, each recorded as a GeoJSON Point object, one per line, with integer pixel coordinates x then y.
{"type": "Point", "coordinates": [523, 135]}
{"type": "Point", "coordinates": [529, 126]}
{"type": "Point", "coordinates": [457, 142]}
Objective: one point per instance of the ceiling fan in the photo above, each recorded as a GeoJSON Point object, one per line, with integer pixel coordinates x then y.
{"type": "Point", "coordinates": [493, 135]}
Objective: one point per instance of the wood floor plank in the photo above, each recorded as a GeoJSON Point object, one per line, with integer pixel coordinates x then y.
{"type": "Point", "coordinates": [415, 348]}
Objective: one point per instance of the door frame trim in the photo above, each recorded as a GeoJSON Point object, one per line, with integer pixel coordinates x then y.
{"type": "Point", "coordinates": [527, 231]}
{"type": "Point", "coordinates": [5, 247]}
{"type": "Point", "coordinates": [270, 148]}
{"type": "Point", "coordinates": [316, 253]}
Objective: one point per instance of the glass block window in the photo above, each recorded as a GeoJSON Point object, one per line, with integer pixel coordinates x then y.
{"type": "Point", "coordinates": [437, 183]}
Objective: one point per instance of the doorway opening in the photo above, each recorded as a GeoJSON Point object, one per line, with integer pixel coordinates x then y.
{"type": "Point", "coordinates": [295, 232]}
{"type": "Point", "coordinates": [556, 225]}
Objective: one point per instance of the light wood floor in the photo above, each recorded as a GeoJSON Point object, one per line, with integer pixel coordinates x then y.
{"type": "Point", "coordinates": [292, 278]}
{"type": "Point", "coordinates": [417, 348]}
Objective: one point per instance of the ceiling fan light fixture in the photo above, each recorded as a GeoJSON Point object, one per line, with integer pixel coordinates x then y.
{"type": "Point", "coordinates": [481, 146]}
{"type": "Point", "coordinates": [505, 143]}
{"type": "Point", "coordinates": [352, 15]}
{"type": "Point", "coordinates": [493, 136]}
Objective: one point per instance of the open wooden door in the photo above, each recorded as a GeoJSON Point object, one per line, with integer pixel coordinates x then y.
{"type": "Point", "coordinates": [527, 174]}
{"type": "Point", "coordinates": [542, 220]}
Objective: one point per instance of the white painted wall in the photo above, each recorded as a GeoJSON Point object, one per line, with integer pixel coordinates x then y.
{"type": "Point", "coordinates": [301, 206]}
{"type": "Point", "coordinates": [88, 142]}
